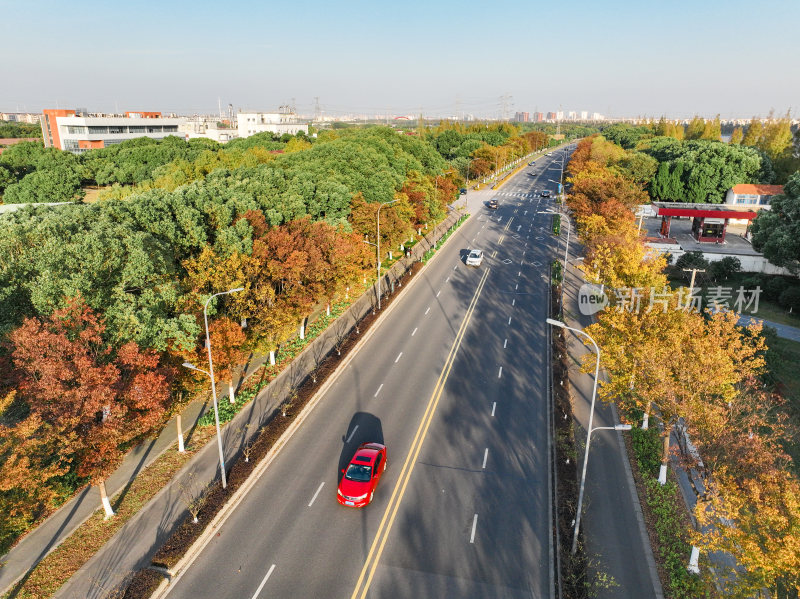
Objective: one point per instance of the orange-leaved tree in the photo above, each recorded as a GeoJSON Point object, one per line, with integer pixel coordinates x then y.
{"type": "Point", "coordinates": [93, 397]}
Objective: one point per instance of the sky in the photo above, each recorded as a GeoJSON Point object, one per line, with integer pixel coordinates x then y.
{"type": "Point", "coordinates": [620, 58]}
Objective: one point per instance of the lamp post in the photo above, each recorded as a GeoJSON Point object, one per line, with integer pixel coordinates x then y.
{"type": "Point", "coordinates": [590, 430]}
{"type": "Point", "coordinates": [210, 373]}
{"type": "Point", "coordinates": [378, 246]}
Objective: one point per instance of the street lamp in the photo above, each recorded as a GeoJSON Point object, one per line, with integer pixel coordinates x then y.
{"type": "Point", "coordinates": [618, 427]}
{"type": "Point", "coordinates": [210, 373]}
{"type": "Point", "coordinates": [378, 246]}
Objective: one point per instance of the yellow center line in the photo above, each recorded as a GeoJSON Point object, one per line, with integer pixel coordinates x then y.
{"type": "Point", "coordinates": [508, 224]}
{"type": "Point", "coordinates": [494, 253]}
{"type": "Point", "coordinates": [500, 241]}
{"type": "Point", "coordinates": [373, 557]}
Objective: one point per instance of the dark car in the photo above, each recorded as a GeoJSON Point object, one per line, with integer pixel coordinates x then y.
{"type": "Point", "coordinates": [362, 475]}
{"type": "Point", "coordinates": [492, 204]}
{"type": "Point", "coordinates": [545, 194]}
{"type": "Point", "coordinates": [463, 191]}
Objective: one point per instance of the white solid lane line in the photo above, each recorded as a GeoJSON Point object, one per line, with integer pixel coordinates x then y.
{"type": "Point", "coordinates": [485, 456]}
{"type": "Point", "coordinates": [455, 267]}
{"type": "Point", "coordinates": [513, 301]}
{"type": "Point", "coordinates": [494, 405]}
{"type": "Point", "coordinates": [414, 332]}
{"type": "Point", "coordinates": [350, 436]}
{"type": "Point", "coordinates": [397, 359]}
{"type": "Point", "coordinates": [266, 578]}
{"type": "Point", "coordinates": [438, 292]}
{"type": "Point", "coordinates": [447, 279]}
{"type": "Point", "coordinates": [499, 374]}
{"type": "Point", "coordinates": [505, 343]}
{"type": "Point", "coordinates": [322, 484]}
{"type": "Point", "coordinates": [428, 310]}
{"type": "Point", "coordinates": [474, 524]}
{"type": "Point", "coordinates": [378, 391]}
{"type": "Point", "coordinates": [509, 320]}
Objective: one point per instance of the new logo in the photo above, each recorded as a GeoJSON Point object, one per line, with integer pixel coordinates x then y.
{"type": "Point", "coordinates": [591, 299]}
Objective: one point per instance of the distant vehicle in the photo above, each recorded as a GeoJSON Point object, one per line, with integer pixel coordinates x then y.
{"type": "Point", "coordinates": [362, 475]}
{"type": "Point", "coordinates": [531, 163]}
{"type": "Point", "coordinates": [549, 154]}
{"type": "Point", "coordinates": [475, 258]}
{"type": "Point", "coordinates": [463, 191]}
{"type": "Point", "coordinates": [545, 194]}
{"type": "Point", "coordinates": [492, 204]}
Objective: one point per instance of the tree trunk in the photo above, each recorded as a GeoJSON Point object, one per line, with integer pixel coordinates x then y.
{"type": "Point", "coordinates": [328, 309]}
{"type": "Point", "coordinates": [662, 473]}
{"type": "Point", "coordinates": [231, 396]}
{"type": "Point", "coordinates": [694, 561]}
{"type": "Point", "coordinates": [303, 329]}
{"type": "Point", "coordinates": [104, 499]}
{"type": "Point", "coordinates": [646, 419]}
{"type": "Point", "coordinates": [181, 448]}
{"type": "Point", "coordinates": [272, 357]}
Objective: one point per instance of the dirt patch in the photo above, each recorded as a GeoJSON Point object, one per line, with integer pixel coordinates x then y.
{"type": "Point", "coordinates": [182, 538]}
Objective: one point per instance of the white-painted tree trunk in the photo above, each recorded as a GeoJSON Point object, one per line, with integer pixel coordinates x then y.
{"type": "Point", "coordinates": [328, 310]}
{"type": "Point", "coordinates": [230, 391]}
{"type": "Point", "coordinates": [303, 329]}
{"type": "Point", "coordinates": [181, 448]}
{"type": "Point", "coordinates": [104, 499]}
{"type": "Point", "coordinates": [272, 357]}
{"type": "Point", "coordinates": [694, 561]}
{"type": "Point", "coordinates": [662, 475]}
{"type": "Point", "coordinates": [646, 420]}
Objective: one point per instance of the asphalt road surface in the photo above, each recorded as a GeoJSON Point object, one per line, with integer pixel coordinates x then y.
{"type": "Point", "coordinates": [454, 382]}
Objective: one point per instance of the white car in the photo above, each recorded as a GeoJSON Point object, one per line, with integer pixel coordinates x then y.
{"type": "Point", "coordinates": [475, 258]}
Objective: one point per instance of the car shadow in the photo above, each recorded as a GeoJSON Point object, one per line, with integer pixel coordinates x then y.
{"type": "Point", "coordinates": [363, 428]}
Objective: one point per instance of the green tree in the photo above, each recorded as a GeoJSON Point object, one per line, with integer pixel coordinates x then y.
{"type": "Point", "coordinates": [737, 136]}
{"type": "Point", "coordinates": [59, 184]}
{"type": "Point", "coordinates": [752, 136]}
{"type": "Point", "coordinates": [695, 128]}
{"type": "Point", "coordinates": [776, 232]}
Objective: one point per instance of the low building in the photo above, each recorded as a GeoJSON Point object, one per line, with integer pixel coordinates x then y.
{"type": "Point", "coordinates": [208, 128]}
{"type": "Point", "coordinates": [279, 123]}
{"type": "Point", "coordinates": [66, 130]}
{"type": "Point", "coordinates": [753, 195]}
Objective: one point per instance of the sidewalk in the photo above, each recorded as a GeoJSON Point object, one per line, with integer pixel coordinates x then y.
{"type": "Point", "coordinates": [613, 524]}
{"type": "Point", "coordinates": [784, 330]}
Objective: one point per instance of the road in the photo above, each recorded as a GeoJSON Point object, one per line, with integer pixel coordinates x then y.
{"type": "Point", "coordinates": [454, 383]}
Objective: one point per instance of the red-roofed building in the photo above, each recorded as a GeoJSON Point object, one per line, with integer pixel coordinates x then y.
{"type": "Point", "coordinates": [747, 194]}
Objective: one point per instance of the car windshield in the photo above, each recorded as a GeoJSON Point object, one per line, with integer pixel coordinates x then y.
{"type": "Point", "coordinates": [358, 473]}
{"type": "Point", "coordinates": [474, 254]}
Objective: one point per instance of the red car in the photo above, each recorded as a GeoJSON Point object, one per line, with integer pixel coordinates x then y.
{"type": "Point", "coordinates": [362, 475]}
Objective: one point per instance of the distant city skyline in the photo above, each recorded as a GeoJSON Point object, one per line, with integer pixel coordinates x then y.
{"type": "Point", "coordinates": [617, 58]}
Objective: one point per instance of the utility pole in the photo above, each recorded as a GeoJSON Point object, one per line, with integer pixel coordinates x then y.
{"type": "Point", "coordinates": [694, 272]}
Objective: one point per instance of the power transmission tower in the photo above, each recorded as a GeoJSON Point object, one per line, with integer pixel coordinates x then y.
{"type": "Point", "coordinates": [317, 109]}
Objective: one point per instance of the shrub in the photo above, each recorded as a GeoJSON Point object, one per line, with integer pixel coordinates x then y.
{"type": "Point", "coordinates": [774, 286]}
{"type": "Point", "coordinates": [647, 446]}
{"type": "Point", "coordinates": [722, 269]}
{"type": "Point", "coordinates": [692, 260]}
{"type": "Point", "coordinates": [790, 298]}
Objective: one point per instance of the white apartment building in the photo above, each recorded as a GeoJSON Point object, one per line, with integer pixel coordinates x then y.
{"type": "Point", "coordinates": [251, 123]}
{"type": "Point", "coordinates": [64, 130]}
